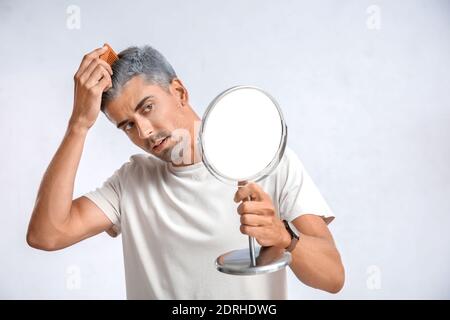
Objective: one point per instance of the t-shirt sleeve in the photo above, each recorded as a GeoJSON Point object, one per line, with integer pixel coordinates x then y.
{"type": "Point", "coordinates": [299, 194]}
{"type": "Point", "coordinates": [107, 198]}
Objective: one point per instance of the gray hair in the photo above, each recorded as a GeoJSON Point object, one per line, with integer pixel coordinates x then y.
{"type": "Point", "coordinates": [134, 61]}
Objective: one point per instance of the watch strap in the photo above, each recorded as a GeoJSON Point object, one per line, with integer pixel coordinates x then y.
{"type": "Point", "coordinates": [294, 237]}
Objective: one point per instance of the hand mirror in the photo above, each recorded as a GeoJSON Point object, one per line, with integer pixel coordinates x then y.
{"type": "Point", "coordinates": [243, 137]}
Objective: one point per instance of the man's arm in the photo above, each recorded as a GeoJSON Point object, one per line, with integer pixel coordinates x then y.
{"type": "Point", "coordinates": [58, 221]}
{"type": "Point", "coordinates": [315, 259]}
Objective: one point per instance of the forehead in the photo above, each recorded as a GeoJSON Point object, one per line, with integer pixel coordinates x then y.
{"type": "Point", "coordinates": [130, 95]}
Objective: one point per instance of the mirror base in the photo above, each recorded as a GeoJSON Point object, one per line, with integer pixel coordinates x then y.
{"type": "Point", "coordinates": [238, 262]}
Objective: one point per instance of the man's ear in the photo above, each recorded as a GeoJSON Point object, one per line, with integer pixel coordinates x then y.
{"type": "Point", "coordinates": [178, 89]}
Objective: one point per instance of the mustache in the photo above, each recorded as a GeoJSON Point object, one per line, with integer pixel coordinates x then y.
{"type": "Point", "coordinates": [160, 135]}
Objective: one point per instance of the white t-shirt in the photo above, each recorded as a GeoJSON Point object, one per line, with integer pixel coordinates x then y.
{"type": "Point", "coordinates": [175, 222]}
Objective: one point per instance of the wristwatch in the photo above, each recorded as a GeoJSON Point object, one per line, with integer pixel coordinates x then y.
{"type": "Point", "coordinates": [294, 237]}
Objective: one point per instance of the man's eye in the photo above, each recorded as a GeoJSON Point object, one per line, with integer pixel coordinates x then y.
{"type": "Point", "coordinates": [128, 126]}
{"type": "Point", "coordinates": [147, 108]}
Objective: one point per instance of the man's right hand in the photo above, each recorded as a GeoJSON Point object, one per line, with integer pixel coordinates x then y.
{"type": "Point", "coordinates": [91, 80]}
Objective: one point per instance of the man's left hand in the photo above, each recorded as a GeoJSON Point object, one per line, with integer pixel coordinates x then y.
{"type": "Point", "coordinates": [258, 216]}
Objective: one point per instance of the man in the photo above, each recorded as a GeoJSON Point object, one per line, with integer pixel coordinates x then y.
{"type": "Point", "coordinates": [175, 218]}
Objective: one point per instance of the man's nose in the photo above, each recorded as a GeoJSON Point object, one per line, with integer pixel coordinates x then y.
{"type": "Point", "coordinates": [144, 128]}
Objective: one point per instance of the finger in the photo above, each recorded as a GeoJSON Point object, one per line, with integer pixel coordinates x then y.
{"type": "Point", "coordinates": [104, 84]}
{"type": "Point", "coordinates": [243, 192]}
{"type": "Point", "coordinates": [94, 63]}
{"type": "Point", "coordinates": [106, 65]}
{"type": "Point", "coordinates": [89, 57]}
{"type": "Point", "coordinates": [251, 190]}
{"type": "Point", "coordinates": [88, 71]}
{"type": "Point", "coordinates": [251, 231]}
{"type": "Point", "coordinates": [254, 207]}
{"type": "Point", "coordinates": [254, 220]}
{"type": "Point", "coordinates": [242, 183]}
{"type": "Point", "coordinates": [96, 75]}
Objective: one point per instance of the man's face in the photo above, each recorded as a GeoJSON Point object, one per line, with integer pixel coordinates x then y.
{"type": "Point", "coordinates": [149, 114]}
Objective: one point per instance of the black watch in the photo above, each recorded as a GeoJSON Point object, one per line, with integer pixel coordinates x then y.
{"type": "Point", "coordinates": [294, 237]}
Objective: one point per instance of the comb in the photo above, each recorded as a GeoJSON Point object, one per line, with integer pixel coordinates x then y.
{"type": "Point", "coordinates": [109, 56]}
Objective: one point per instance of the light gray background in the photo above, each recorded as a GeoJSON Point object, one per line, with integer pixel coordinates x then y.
{"type": "Point", "coordinates": [367, 110]}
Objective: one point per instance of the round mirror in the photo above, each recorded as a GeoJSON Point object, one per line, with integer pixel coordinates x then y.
{"type": "Point", "coordinates": [243, 137]}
